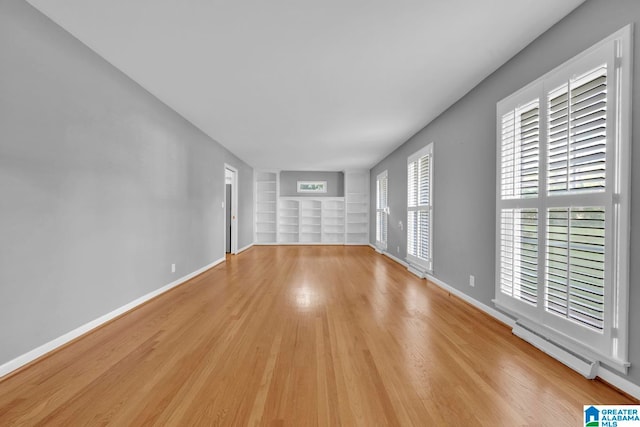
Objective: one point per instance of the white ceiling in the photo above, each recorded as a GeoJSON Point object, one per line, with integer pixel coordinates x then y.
{"type": "Point", "coordinates": [307, 85]}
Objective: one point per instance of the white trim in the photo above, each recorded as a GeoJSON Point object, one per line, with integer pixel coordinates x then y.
{"type": "Point", "coordinates": [501, 317]}
{"type": "Point", "coordinates": [622, 224]}
{"type": "Point", "coordinates": [384, 175]}
{"type": "Point", "coordinates": [611, 344]}
{"type": "Point", "coordinates": [245, 248]}
{"type": "Point", "coordinates": [419, 264]}
{"type": "Point", "coordinates": [587, 368]}
{"type": "Point", "coordinates": [417, 272]}
{"type": "Point", "coordinates": [398, 260]}
{"type": "Point", "coordinates": [602, 371]}
{"type": "Point", "coordinates": [563, 340]}
{"type": "Point", "coordinates": [234, 208]}
{"type": "Point", "coordinates": [426, 151]}
{"type": "Point", "coordinates": [388, 255]}
{"type": "Point", "coordinates": [619, 382]}
{"type": "Point", "coordinates": [52, 345]}
{"type": "Point", "coordinates": [485, 308]}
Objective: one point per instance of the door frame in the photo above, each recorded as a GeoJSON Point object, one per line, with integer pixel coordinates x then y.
{"type": "Point", "coordinates": [380, 245]}
{"type": "Point", "coordinates": [234, 208]}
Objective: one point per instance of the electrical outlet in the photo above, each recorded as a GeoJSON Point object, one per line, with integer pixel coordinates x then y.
{"type": "Point", "coordinates": [472, 280]}
{"type": "Point", "coordinates": [400, 225]}
{"type": "Point", "coordinates": [398, 249]}
{"type": "Point", "coordinates": [173, 268]}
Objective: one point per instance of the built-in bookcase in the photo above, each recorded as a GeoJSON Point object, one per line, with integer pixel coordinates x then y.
{"type": "Point", "coordinates": [333, 221]}
{"type": "Point", "coordinates": [266, 213]}
{"type": "Point", "coordinates": [357, 207]}
{"type": "Point", "coordinates": [311, 220]}
{"type": "Point", "coordinates": [289, 220]}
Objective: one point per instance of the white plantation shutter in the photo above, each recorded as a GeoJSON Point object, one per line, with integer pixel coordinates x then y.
{"type": "Point", "coordinates": [576, 265]}
{"type": "Point", "coordinates": [382, 204]}
{"type": "Point", "coordinates": [578, 134]}
{"type": "Point", "coordinates": [562, 212]}
{"type": "Point", "coordinates": [419, 208]}
{"type": "Point", "coordinates": [412, 203]}
{"type": "Point", "coordinates": [519, 139]}
{"type": "Point", "coordinates": [520, 152]}
{"type": "Point", "coordinates": [519, 254]}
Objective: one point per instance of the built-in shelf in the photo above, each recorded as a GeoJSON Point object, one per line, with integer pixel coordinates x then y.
{"type": "Point", "coordinates": [357, 207]}
{"type": "Point", "coordinates": [266, 196]}
{"type": "Point", "coordinates": [312, 219]}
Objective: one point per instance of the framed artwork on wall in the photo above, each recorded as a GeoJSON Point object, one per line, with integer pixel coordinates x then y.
{"type": "Point", "coordinates": [312, 186]}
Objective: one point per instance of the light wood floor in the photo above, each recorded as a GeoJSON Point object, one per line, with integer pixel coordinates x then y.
{"type": "Point", "coordinates": [301, 336]}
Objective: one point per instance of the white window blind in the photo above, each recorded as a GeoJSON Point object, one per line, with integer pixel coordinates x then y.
{"type": "Point", "coordinates": [419, 208]}
{"type": "Point", "coordinates": [578, 134]}
{"type": "Point", "coordinates": [563, 180]}
{"type": "Point", "coordinates": [382, 210]}
{"type": "Point", "coordinates": [519, 254]}
{"type": "Point", "coordinates": [521, 151]}
{"type": "Point", "coordinates": [576, 265]}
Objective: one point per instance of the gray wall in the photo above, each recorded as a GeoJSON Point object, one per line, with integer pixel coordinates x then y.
{"type": "Point", "coordinates": [289, 183]}
{"type": "Point", "coordinates": [464, 140]}
{"type": "Point", "coordinates": [102, 187]}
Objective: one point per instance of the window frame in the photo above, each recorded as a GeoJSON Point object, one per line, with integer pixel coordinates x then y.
{"type": "Point", "coordinates": [382, 244]}
{"type": "Point", "coordinates": [612, 345]}
{"type": "Point", "coordinates": [420, 264]}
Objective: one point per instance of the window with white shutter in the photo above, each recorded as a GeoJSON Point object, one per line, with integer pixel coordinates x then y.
{"type": "Point", "coordinates": [382, 210]}
{"type": "Point", "coordinates": [420, 208]}
{"type": "Point", "coordinates": [562, 212]}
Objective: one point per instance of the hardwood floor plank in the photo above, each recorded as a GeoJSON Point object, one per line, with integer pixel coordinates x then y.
{"type": "Point", "coordinates": [301, 336]}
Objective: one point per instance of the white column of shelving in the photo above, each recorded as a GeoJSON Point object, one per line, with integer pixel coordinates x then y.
{"type": "Point", "coordinates": [357, 207]}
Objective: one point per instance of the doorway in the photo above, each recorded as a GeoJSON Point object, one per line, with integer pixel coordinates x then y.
{"type": "Point", "coordinates": [231, 210]}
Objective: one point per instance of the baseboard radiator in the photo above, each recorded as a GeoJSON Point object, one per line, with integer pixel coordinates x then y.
{"type": "Point", "coordinates": [587, 368]}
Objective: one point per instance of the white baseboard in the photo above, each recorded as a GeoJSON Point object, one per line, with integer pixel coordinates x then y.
{"type": "Point", "coordinates": [490, 311]}
{"type": "Point", "coordinates": [376, 248]}
{"type": "Point", "coordinates": [396, 259]}
{"type": "Point", "coordinates": [36, 353]}
{"type": "Point", "coordinates": [416, 272]}
{"type": "Point", "coordinates": [619, 382]}
{"type": "Point", "coordinates": [244, 249]}
{"type": "Point", "coordinates": [598, 371]}
{"type": "Point", "coordinates": [474, 302]}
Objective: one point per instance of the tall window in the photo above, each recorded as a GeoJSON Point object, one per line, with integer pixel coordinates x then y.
{"type": "Point", "coordinates": [563, 202]}
{"type": "Point", "coordinates": [419, 208]}
{"type": "Point", "coordinates": [382, 210]}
